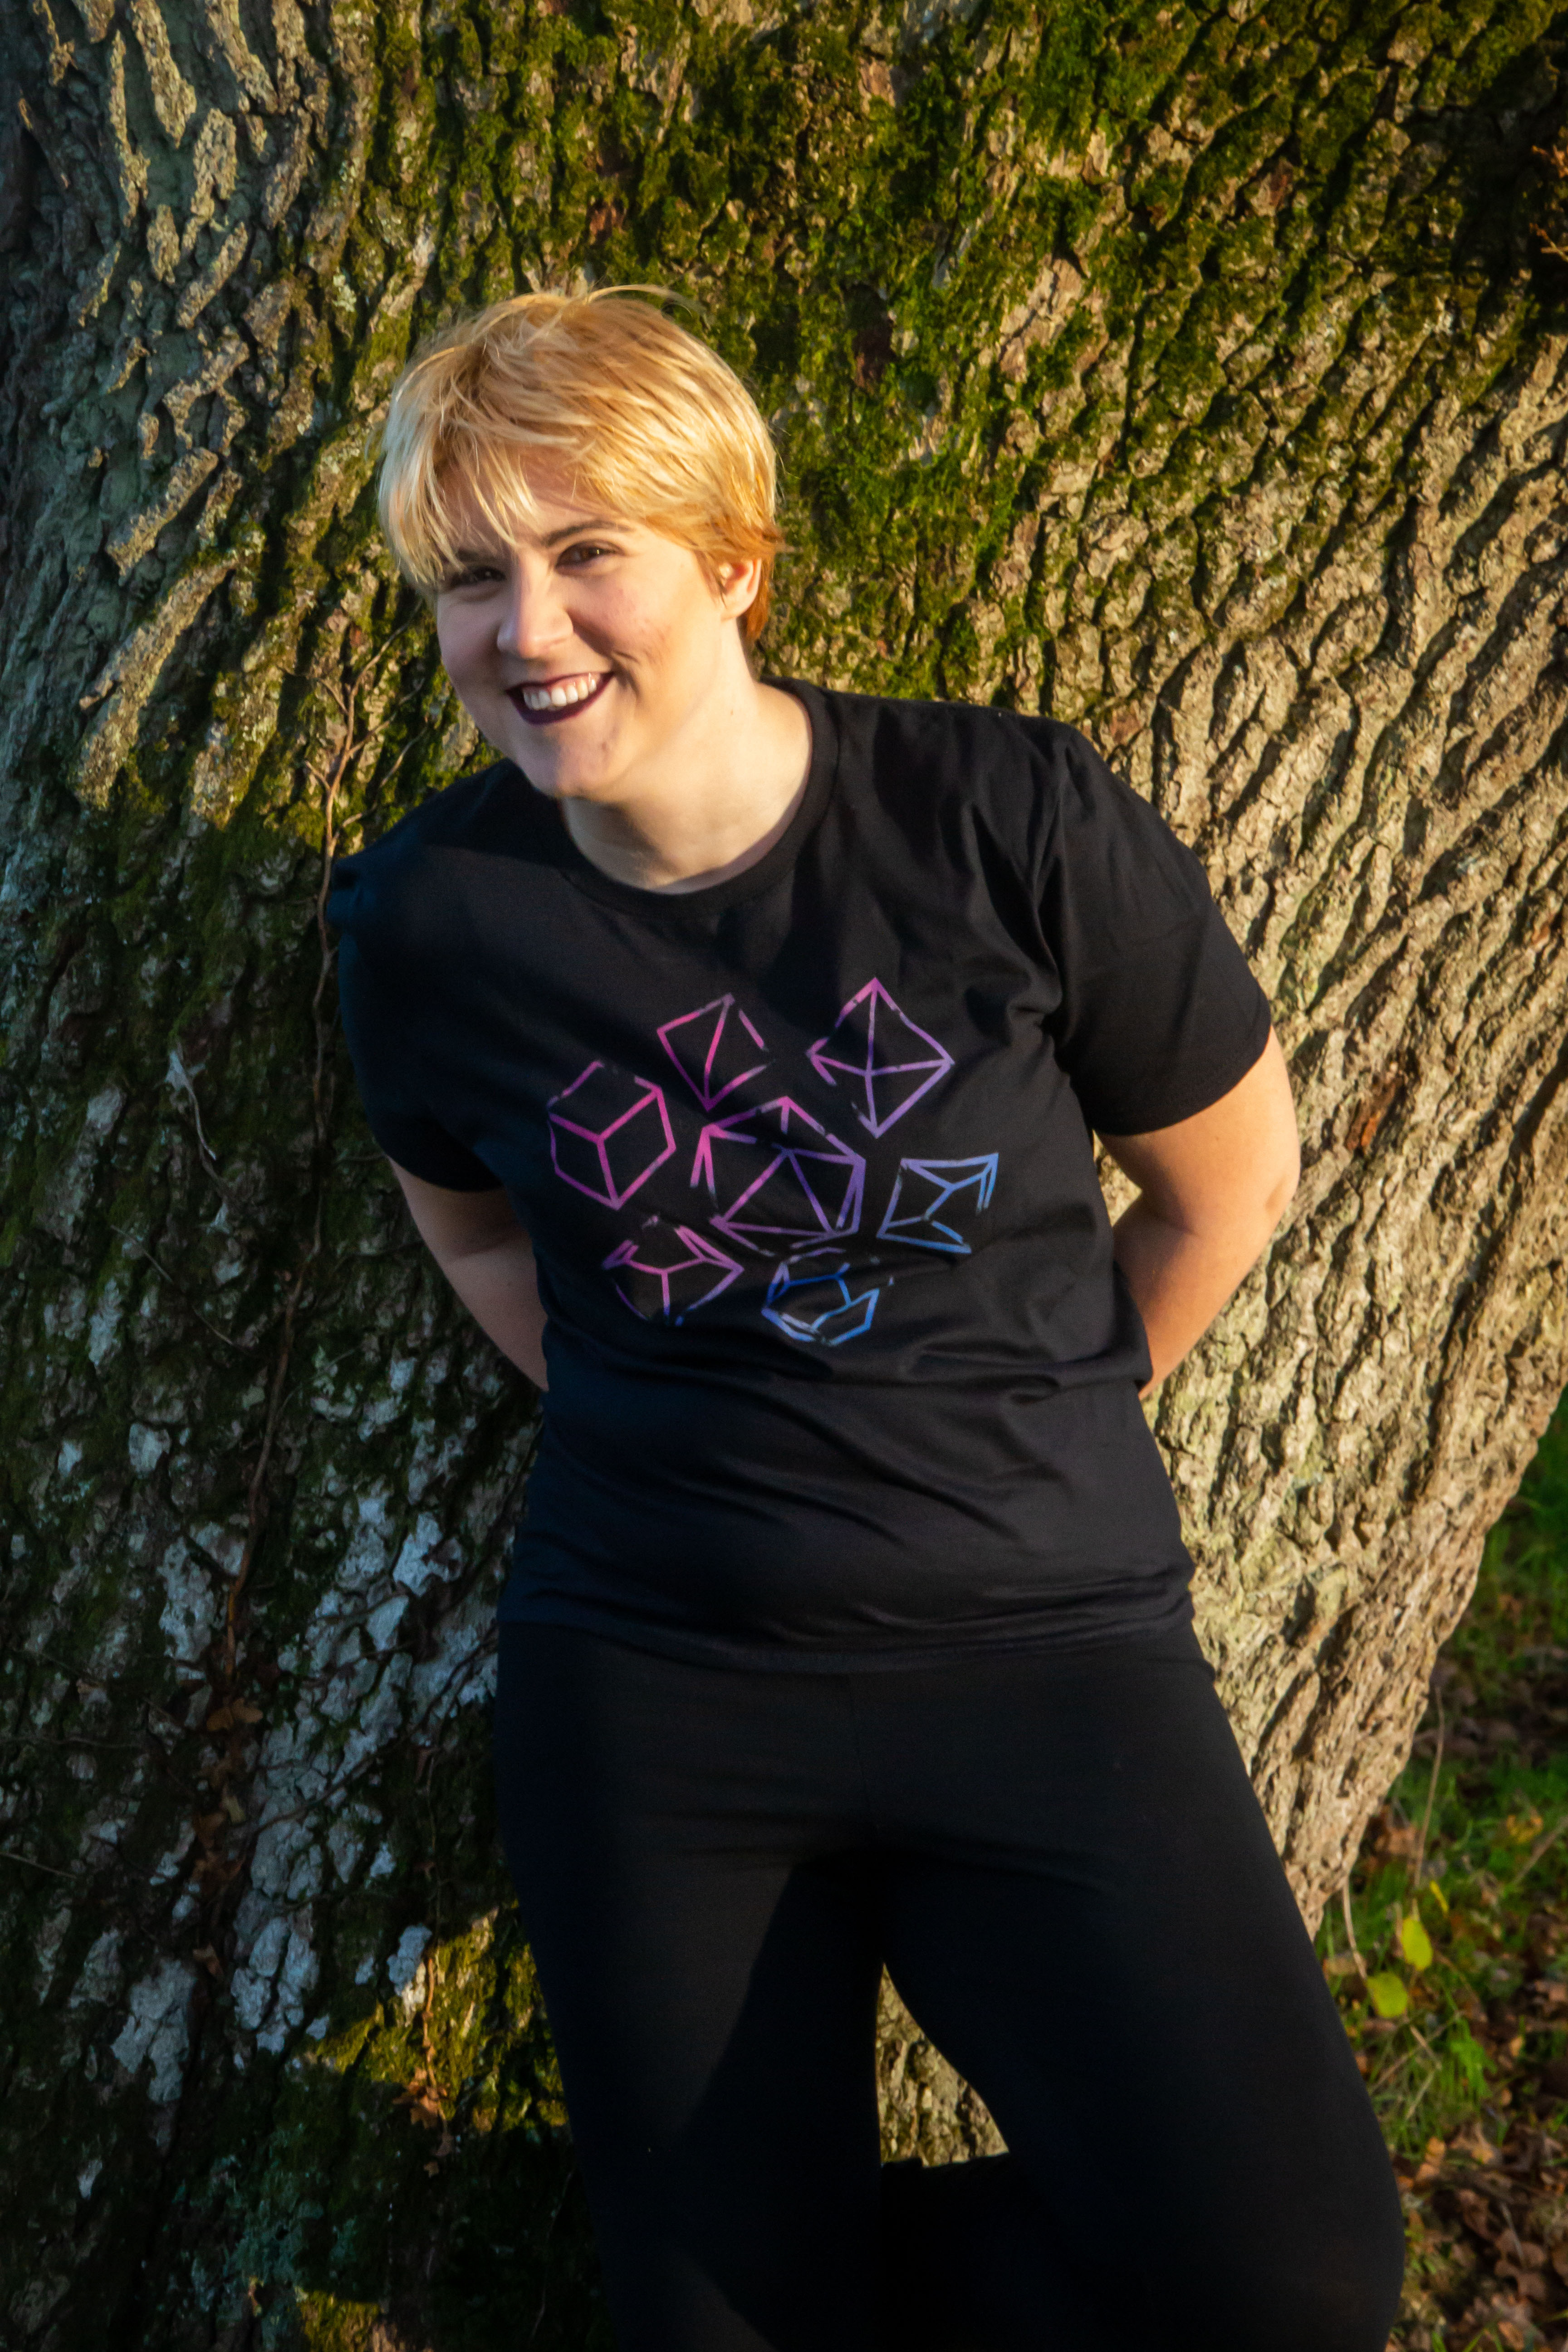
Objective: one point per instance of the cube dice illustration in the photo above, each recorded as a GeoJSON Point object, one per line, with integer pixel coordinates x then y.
{"type": "Point", "coordinates": [608, 1132]}
{"type": "Point", "coordinates": [716, 1049]}
{"type": "Point", "coordinates": [884, 1058]}
{"type": "Point", "coordinates": [932, 1200]}
{"type": "Point", "coordinates": [667, 1272]}
{"type": "Point", "coordinates": [776, 1177]}
{"type": "Point", "coordinates": [813, 1297]}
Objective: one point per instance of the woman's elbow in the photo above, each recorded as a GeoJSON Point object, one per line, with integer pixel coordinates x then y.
{"type": "Point", "coordinates": [1285, 1178]}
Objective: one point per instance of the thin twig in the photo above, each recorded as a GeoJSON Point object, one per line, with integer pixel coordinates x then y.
{"type": "Point", "coordinates": [1431, 1791]}
{"type": "Point", "coordinates": [348, 751]}
{"type": "Point", "coordinates": [140, 1249]}
{"type": "Point", "coordinates": [1349, 1929]}
{"type": "Point", "coordinates": [178, 1075]}
{"type": "Point", "coordinates": [256, 1498]}
{"type": "Point", "coordinates": [34, 1863]}
{"type": "Point", "coordinates": [1420, 2037]}
{"type": "Point", "coordinates": [1420, 2092]}
{"type": "Point", "coordinates": [548, 2231]}
{"type": "Point", "coordinates": [329, 780]}
{"type": "Point", "coordinates": [1541, 1845]}
{"type": "Point", "coordinates": [70, 1739]}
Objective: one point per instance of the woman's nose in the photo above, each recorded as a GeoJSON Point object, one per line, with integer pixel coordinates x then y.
{"type": "Point", "coordinates": [533, 622]}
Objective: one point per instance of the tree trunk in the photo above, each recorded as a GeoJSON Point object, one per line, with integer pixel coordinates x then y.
{"type": "Point", "coordinates": [1195, 377]}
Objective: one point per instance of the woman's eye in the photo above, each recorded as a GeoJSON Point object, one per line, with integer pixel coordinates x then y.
{"type": "Point", "coordinates": [470, 576]}
{"type": "Point", "coordinates": [585, 551]}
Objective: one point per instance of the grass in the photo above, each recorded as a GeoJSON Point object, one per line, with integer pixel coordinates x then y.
{"type": "Point", "coordinates": [1450, 1955]}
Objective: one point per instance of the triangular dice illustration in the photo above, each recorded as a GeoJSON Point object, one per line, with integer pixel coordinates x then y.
{"type": "Point", "coordinates": [886, 1062]}
{"type": "Point", "coordinates": [608, 1132]}
{"type": "Point", "coordinates": [716, 1049]}
{"type": "Point", "coordinates": [667, 1272]}
{"type": "Point", "coordinates": [931, 1195]}
{"type": "Point", "coordinates": [776, 1175]}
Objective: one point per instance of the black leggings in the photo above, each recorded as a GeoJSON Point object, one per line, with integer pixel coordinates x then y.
{"type": "Point", "coordinates": [1062, 1862]}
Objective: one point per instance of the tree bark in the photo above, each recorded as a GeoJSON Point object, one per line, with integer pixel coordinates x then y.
{"type": "Point", "coordinates": [1194, 376]}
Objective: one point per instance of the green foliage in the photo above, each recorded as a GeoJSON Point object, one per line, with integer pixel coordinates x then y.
{"type": "Point", "coordinates": [1387, 1993]}
{"type": "Point", "coordinates": [1414, 1942]}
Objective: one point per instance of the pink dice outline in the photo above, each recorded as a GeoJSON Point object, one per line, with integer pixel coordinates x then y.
{"type": "Point", "coordinates": [723, 1006]}
{"type": "Point", "coordinates": [702, 1252]}
{"type": "Point", "coordinates": [611, 1196]}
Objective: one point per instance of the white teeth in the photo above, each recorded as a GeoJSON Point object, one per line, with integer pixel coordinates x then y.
{"type": "Point", "coordinates": [560, 697]}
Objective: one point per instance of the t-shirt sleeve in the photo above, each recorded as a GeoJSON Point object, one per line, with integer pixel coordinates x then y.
{"type": "Point", "coordinates": [1159, 1015]}
{"type": "Point", "coordinates": [388, 1085]}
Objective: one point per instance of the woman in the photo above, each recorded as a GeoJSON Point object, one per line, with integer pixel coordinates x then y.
{"type": "Point", "coordinates": [738, 1047]}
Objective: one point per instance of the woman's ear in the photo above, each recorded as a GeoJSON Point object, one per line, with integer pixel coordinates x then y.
{"type": "Point", "coordinates": [737, 585]}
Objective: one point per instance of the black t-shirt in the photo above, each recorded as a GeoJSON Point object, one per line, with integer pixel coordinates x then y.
{"type": "Point", "coordinates": [841, 1369]}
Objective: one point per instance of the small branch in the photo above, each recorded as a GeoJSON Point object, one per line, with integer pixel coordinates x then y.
{"type": "Point", "coordinates": [68, 1739]}
{"type": "Point", "coordinates": [1420, 2037]}
{"type": "Point", "coordinates": [178, 1076]}
{"type": "Point", "coordinates": [140, 1249]}
{"type": "Point", "coordinates": [1543, 1845]}
{"type": "Point", "coordinates": [256, 1495]}
{"type": "Point", "coordinates": [332, 782]}
{"type": "Point", "coordinates": [1350, 1928]}
{"type": "Point", "coordinates": [1431, 1791]}
{"type": "Point", "coordinates": [1419, 2093]}
{"type": "Point", "coordinates": [34, 1863]}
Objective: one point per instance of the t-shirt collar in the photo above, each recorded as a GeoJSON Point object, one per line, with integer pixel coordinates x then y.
{"type": "Point", "coordinates": [686, 907]}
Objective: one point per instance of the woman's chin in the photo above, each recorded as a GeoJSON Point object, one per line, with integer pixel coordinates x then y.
{"type": "Point", "coordinates": [567, 779]}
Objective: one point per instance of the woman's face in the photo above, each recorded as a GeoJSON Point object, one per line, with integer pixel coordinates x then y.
{"type": "Point", "coordinates": [589, 646]}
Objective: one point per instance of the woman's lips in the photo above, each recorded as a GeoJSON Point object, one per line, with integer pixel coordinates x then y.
{"type": "Point", "coordinates": [553, 715]}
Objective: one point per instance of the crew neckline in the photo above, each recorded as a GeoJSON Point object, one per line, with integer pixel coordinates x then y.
{"type": "Point", "coordinates": [685, 906]}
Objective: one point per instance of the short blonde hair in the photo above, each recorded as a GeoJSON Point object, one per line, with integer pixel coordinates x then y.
{"type": "Point", "coordinates": [602, 387]}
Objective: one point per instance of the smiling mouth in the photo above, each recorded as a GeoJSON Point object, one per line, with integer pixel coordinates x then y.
{"type": "Point", "coordinates": [561, 697]}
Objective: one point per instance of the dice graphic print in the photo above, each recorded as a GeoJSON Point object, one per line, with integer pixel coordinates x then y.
{"type": "Point", "coordinates": [608, 1132]}
{"type": "Point", "coordinates": [716, 1049]}
{"type": "Point", "coordinates": [812, 1297]}
{"type": "Point", "coordinates": [776, 1176]}
{"type": "Point", "coordinates": [664, 1276]}
{"type": "Point", "coordinates": [879, 1053]}
{"type": "Point", "coordinates": [958, 1188]}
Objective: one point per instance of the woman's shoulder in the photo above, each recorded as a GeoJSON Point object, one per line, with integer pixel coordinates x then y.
{"type": "Point", "coordinates": [398, 876]}
{"type": "Point", "coordinates": [1012, 766]}
{"type": "Point", "coordinates": [950, 735]}
{"type": "Point", "coordinates": [462, 815]}
{"type": "Point", "coordinates": [961, 780]}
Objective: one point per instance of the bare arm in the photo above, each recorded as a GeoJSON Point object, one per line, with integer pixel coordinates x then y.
{"type": "Point", "coordinates": [488, 1259]}
{"type": "Point", "coordinates": [1211, 1190]}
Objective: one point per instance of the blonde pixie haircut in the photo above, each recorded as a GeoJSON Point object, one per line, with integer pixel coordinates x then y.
{"type": "Point", "coordinates": [603, 387]}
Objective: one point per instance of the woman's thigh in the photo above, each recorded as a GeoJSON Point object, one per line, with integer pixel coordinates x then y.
{"type": "Point", "coordinates": [706, 1953]}
{"type": "Point", "coordinates": [1088, 1918]}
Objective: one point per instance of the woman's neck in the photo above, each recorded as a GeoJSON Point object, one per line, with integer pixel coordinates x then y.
{"type": "Point", "coordinates": [732, 799]}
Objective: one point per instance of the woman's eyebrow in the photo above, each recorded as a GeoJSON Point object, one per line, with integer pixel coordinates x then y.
{"type": "Point", "coordinates": [463, 556]}
{"type": "Point", "coordinates": [570, 529]}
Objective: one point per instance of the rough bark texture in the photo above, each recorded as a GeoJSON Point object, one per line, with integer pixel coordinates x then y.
{"type": "Point", "coordinates": [1186, 371]}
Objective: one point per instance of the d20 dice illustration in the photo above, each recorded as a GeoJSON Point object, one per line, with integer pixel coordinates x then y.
{"type": "Point", "coordinates": [716, 1049]}
{"type": "Point", "coordinates": [881, 1053]}
{"type": "Point", "coordinates": [776, 1175]}
{"type": "Point", "coordinates": [927, 1192]}
{"type": "Point", "coordinates": [670, 1274]}
{"type": "Point", "coordinates": [608, 1132]}
{"type": "Point", "coordinates": [811, 1297]}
